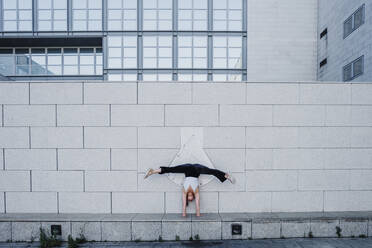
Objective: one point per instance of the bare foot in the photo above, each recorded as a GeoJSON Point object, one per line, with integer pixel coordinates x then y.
{"type": "Point", "coordinates": [149, 173]}
{"type": "Point", "coordinates": [230, 178]}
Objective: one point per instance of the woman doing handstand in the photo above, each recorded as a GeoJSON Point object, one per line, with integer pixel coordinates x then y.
{"type": "Point", "coordinates": [190, 190]}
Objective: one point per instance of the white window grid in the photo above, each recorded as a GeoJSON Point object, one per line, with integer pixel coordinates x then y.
{"type": "Point", "coordinates": [122, 15]}
{"type": "Point", "coordinates": [86, 15]}
{"type": "Point", "coordinates": [227, 52]}
{"type": "Point", "coordinates": [52, 15]}
{"type": "Point", "coordinates": [185, 76]}
{"type": "Point", "coordinates": [17, 15]}
{"type": "Point", "coordinates": [227, 15]}
{"type": "Point", "coordinates": [157, 15]}
{"type": "Point", "coordinates": [122, 52]}
{"type": "Point", "coordinates": [126, 76]}
{"type": "Point", "coordinates": [231, 77]}
{"type": "Point", "coordinates": [52, 61]}
{"type": "Point", "coordinates": [193, 15]}
{"type": "Point", "coordinates": [193, 52]}
{"type": "Point", "coordinates": [157, 51]}
{"type": "Point", "coordinates": [157, 76]}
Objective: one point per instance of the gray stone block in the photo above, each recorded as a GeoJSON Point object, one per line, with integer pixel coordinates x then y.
{"type": "Point", "coordinates": [172, 229]}
{"type": "Point", "coordinates": [5, 231]}
{"type": "Point", "coordinates": [324, 228]}
{"type": "Point", "coordinates": [206, 230]}
{"type": "Point", "coordinates": [116, 231]}
{"type": "Point", "coordinates": [25, 231]}
{"type": "Point", "coordinates": [65, 227]}
{"type": "Point", "coordinates": [354, 227]}
{"type": "Point", "coordinates": [266, 229]}
{"type": "Point", "coordinates": [295, 229]}
{"type": "Point", "coordinates": [91, 230]}
{"type": "Point", "coordinates": [146, 230]}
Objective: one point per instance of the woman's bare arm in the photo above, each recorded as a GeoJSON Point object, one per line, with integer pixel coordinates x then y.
{"type": "Point", "coordinates": [184, 195]}
{"type": "Point", "coordinates": [197, 203]}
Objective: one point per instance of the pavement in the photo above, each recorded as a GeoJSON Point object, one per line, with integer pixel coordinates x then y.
{"type": "Point", "coordinates": [272, 243]}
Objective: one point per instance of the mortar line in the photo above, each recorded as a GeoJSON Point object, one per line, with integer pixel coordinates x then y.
{"type": "Point", "coordinates": [83, 138]}
{"type": "Point", "coordinates": [58, 202]}
{"type": "Point", "coordinates": [4, 202]}
{"type": "Point", "coordinates": [110, 159]}
{"type": "Point", "coordinates": [56, 115]}
{"type": "Point", "coordinates": [219, 114]}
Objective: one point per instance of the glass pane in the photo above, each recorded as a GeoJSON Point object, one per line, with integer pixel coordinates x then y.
{"type": "Point", "coordinates": [358, 18]}
{"type": "Point", "coordinates": [9, 4]}
{"type": "Point", "coordinates": [6, 64]}
{"type": "Point", "coordinates": [44, 4]}
{"type": "Point", "coordinates": [358, 67]}
{"type": "Point", "coordinates": [114, 4]}
{"type": "Point", "coordinates": [79, 4]}
{"type": "Point", "coordinates": [25, 4]}
{"type": "Point", "coordinates": [60, 4]}
{"type": "Point", "coordinates": [10, 15]}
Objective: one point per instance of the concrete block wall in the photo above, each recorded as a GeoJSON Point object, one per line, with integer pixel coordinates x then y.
{"type": "Point", "coordinates": [83, 147]}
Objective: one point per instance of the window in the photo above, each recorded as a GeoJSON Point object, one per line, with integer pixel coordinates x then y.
{"type": "Point", "coordinates": [38, 61]}
{"type": "Point", "coordinates": [51, 61]}
{"type": "Point", "coordinates": [227, 52]}
{"type": "Point", "coordinates": [157, 14]}
{"type": "Point", "coordinates": [122, 52]}
{"type": "Point", "coordinates": [233, 76]}
{"type": "Point", "coordinates": [354, 69]}
{"type": "Point", "coordinates": [52, 15]}
{"type": "Point", "coordinates": [122, 14]}
{"type": "Point", "coordinates": [192, 76]}
{"type": "Point", "coordinates": [227, 15]}
{"type": "Point", "coordinates": [157, 76]}
{"type": "Point", "coordinates": [17, 15]}
{"type": "Point", "coordinates": [192, 15]}
{"type": "Point", "coordinates": [323, 33]}
{"type": "Point", "coordinates": [157, 52]}
{"type": "Point", "coordinates": [120, 76]}
{"type": "Point", "coordinates": [323, 63]}
{"type": "Point", "coordinates": [86, 15]}
{"type": "Point", "coordinates": [6, 62]}
{"type": "Point", "coordinates": [354, 21]}
{"type": "Point", "coordinates": [192, 52]}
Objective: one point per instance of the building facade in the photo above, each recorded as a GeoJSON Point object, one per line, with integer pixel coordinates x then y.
{"type": "Point", "coordinates": [204, 40]}
{"type": "Point", "coordinates": [345, 42]}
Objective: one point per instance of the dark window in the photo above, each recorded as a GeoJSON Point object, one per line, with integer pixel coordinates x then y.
{"type": "Point", "coordinates": [354, 21]}
{"type": "Point", "coordinates": [324, 33]}
{"type": "Point", "coordinates": [354, 69]}
{"type": "Point", "coordinates": [323, 63]}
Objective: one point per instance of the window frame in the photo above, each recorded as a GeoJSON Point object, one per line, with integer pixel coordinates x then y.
{"type": "Point", "coordinates": [352, 17]}
{"type": "Point", "coordinates": [351, 64]}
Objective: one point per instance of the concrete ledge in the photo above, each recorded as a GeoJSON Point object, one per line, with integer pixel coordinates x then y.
{"type": "Point", "coordinates": [210, 226]}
